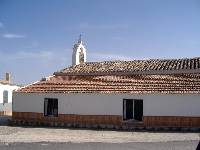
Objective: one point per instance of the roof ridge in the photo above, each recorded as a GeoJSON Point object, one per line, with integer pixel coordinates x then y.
{"type": "Point", "coordinates": [161, 59]}
{"type": "Point", "coordinates": [148, 66]}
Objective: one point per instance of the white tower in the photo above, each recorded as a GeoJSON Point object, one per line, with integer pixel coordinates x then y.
{"type": "Point", "coordinates": [79, 53]}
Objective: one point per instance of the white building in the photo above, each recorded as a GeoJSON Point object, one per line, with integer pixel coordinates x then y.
{"type": "Point", "coordinates": [120, 93]}
{"type": "Point", "coordinates": [6, 90]}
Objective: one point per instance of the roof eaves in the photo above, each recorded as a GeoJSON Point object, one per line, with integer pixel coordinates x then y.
{"type": "Point", "coordinates": [150, 72]}
{"type": "Point", "coordinates": [47, 78]}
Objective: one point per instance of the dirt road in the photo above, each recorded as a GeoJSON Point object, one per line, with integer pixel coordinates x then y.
{"type": "Point", "coordinates": [28, 134]}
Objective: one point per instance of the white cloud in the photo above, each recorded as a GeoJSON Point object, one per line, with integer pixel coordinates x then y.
{"type": "Point", "coordinates": [44, 58]}
{"type": "Point", "coordinates": [112, 57]}
{"type": "Point", "coordinates": [24, 55]}
{"type": "Point", "coordinates": [1, 25]}
{"type": "Point", "coordinates": [108, 56]}
{"type": "Point", "coordinates": [12, 36]}
{"type": "Point", "coordinates": [29, 66]}
{"type": "Point", "coordinates": [33, 55]}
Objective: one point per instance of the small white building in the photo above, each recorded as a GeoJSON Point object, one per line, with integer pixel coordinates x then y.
{"type": "Point", "coordinates": [6, 90]}
{"type": "Point", "coordinates": [160, 92]}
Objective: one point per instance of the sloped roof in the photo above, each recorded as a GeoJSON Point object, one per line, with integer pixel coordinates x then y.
{"type": "Point", "coordinates": [155, 66]}
{"type": "Point", "coordinates": [174, 84]}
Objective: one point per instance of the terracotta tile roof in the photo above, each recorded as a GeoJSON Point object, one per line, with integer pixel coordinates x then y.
{"type": "Point", "coordinates": [156, 66]}
{"type": "Point", "coordinates": [177, 83]}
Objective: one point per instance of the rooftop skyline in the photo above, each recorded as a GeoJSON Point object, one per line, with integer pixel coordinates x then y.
{"type": "Point", "coordinates": [37, 37]}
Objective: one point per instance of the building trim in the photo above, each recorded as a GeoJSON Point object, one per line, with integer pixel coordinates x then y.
{"type": "Point", "coordinates": [171, 121]}
{"type": "Point", "coordinates": [114, 120]}
{"type": "Point", "coordinates": [69, 118]}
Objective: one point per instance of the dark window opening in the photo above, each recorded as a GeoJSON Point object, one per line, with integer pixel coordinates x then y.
{"type": "Point", "coordinates": [128, 109]}
{"type": "Point", "coordinates": [133, 109]}
{"type": "Point", "coordinates": [5, 96]}
{"type": "Point", "coordinates": [138, 110]}
{"type": "Point", "coordinates": [81, 56]}
{"type": "Point", "coordinates": [51, 107]}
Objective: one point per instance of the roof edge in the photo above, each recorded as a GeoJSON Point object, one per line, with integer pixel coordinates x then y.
{"type": "Point", "coordinates": [183, 71]}
{"type": "Point", "coordinates": [33, 83]}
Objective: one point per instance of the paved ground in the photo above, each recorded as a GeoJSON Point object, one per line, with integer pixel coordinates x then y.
{"type": "Point", "coordinates": [29, 134]}
{"type": "Point", "coordinates": [187, 145]}
{"type": "Point", "coordinates": [21, 138]}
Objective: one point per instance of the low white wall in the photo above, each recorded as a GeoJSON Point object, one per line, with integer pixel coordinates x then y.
{"type": "Point", "coordinates": [110, 104]}
{"type": "Point", "coordinates": [10, 89]}
{"type": "Point", "coordinates": [85, 104]}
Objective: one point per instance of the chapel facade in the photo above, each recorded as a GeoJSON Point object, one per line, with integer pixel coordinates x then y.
{"type": "Point", "coordinates": [114, 94]}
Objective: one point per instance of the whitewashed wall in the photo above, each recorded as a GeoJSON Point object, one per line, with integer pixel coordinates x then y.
{"type": "Point", "coordinates": [110, 104]}
{"type": "Point", "coordinates": [69, 103]}
{"type": "Point", "coordinates": [10, 89]}
{"type": "Point", "coordinates": [76, 53]}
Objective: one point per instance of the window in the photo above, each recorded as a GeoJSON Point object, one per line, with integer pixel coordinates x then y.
{"type": "Point", "coordinates": [133, 109]}
{"type": "Point", "coordinates": [81, 56]}
{"type": "Point", "coordinates": [51, 107]}
{"type": "Point", "coordinates": [5, 96]}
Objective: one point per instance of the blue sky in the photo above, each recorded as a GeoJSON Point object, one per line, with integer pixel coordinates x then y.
{"type": "Point", "coordinates": [37, 36]}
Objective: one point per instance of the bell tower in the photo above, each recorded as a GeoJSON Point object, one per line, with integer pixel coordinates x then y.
{"type": "Point", "coordinates": [79, 53]}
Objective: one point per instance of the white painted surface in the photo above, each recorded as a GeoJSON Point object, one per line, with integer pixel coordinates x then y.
{"type": "Point", "coordinates": [110, 104]}
{"type": "Point", "coordinates": [69, 103]}
{"type": "Point", "coordinates": [76, 52]}
{"type": "Point", "coordinates": [10, 89]}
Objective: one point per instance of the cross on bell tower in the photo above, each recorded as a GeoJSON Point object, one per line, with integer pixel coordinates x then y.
{"type": "Point", "coordinates": [80, 40]}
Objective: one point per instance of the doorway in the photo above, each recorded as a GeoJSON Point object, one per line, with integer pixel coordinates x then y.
{"type": "Point", "coordinates": [132, 109]}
